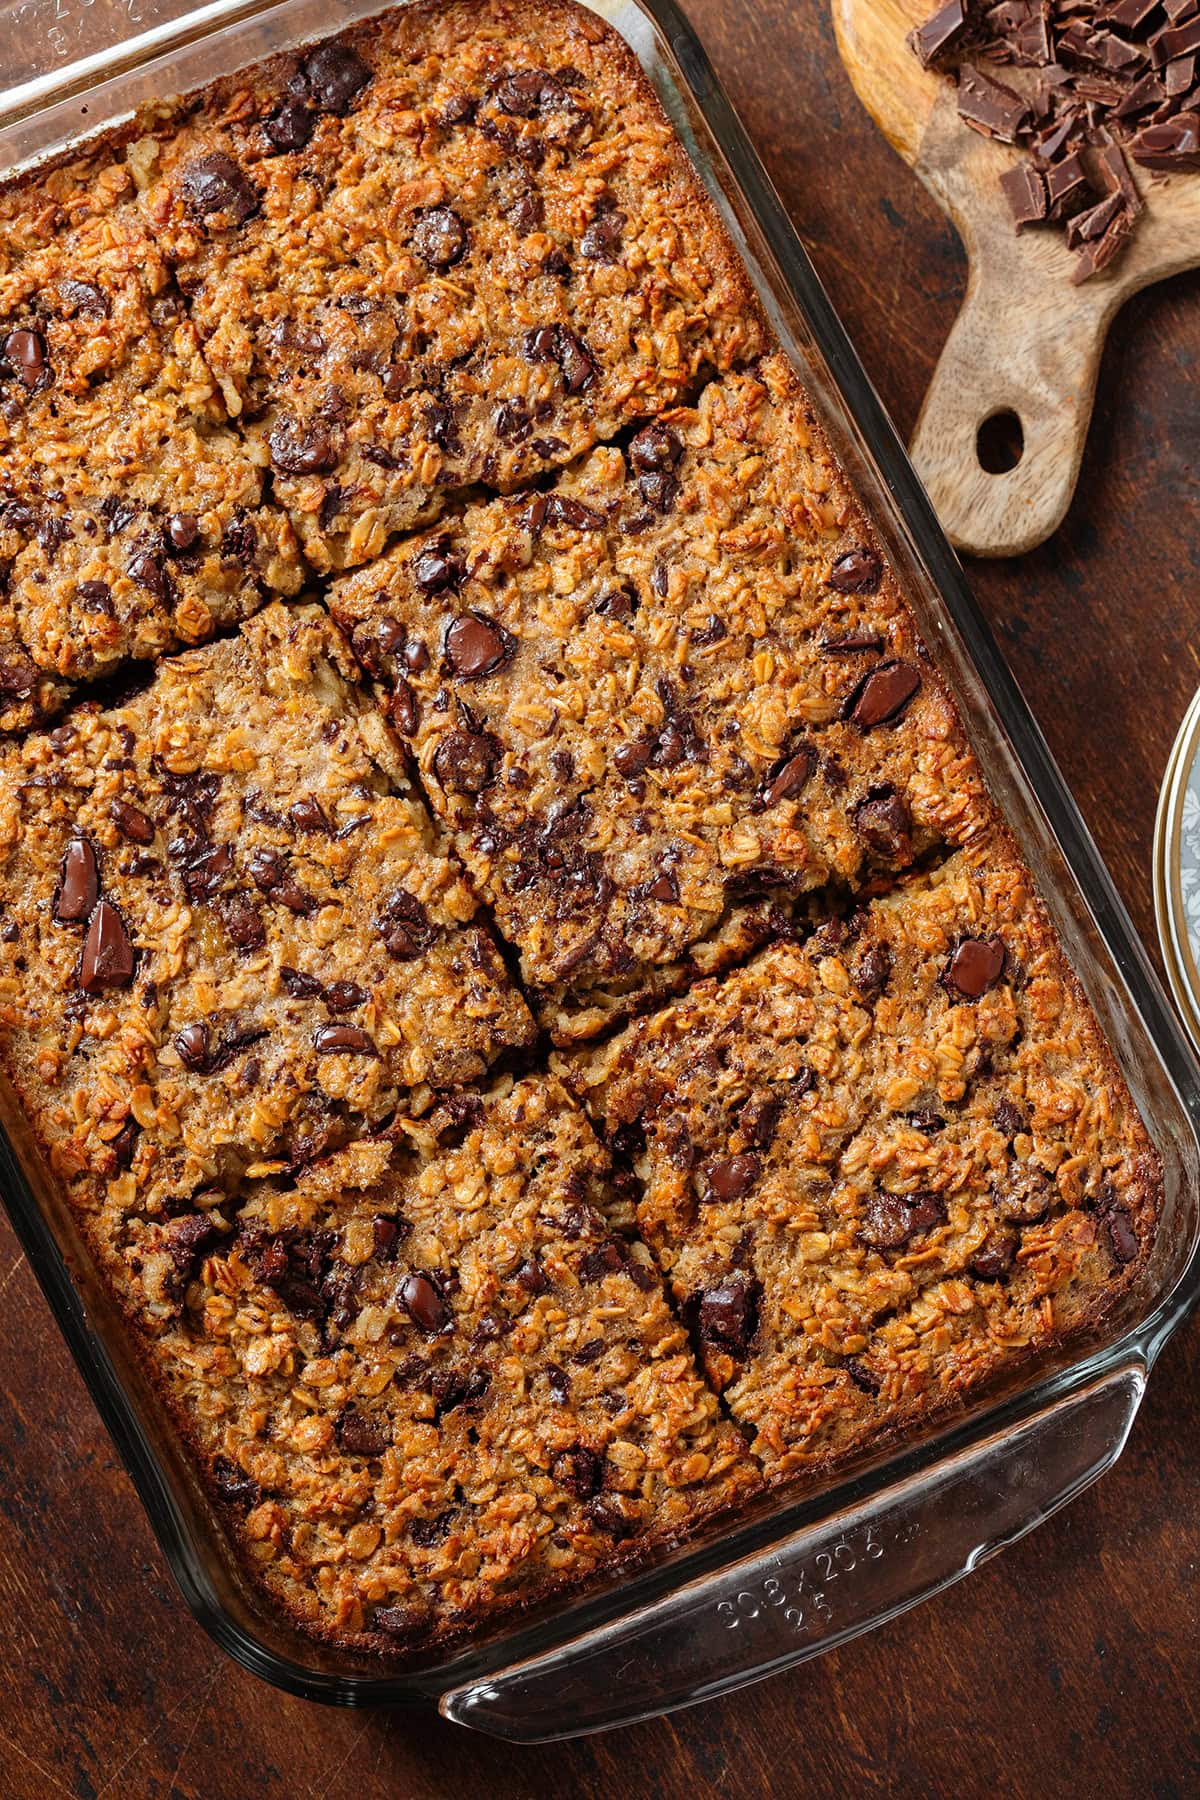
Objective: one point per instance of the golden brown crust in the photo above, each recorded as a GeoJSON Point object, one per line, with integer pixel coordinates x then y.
{"type": "Point", "coordinates": [643, 698]}
{"type": "Point", "coordinates": [487, 254]}
{"type": "Point", "coordinates": [877, 1164]}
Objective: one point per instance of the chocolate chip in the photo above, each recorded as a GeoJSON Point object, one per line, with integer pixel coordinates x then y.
{"type": "Point", "coordinates": [455, 1118]}
{"type": "Point", "coordinates": [107, 957]}
{"type": "Point", "coordinates": [974, 966]}
{"type": "Point", "coordinates": [406, 926]}
{"type": "Point", "coordinates": [434, 569]}
{"type": "Point", "coordinates": [559, 1383]}
{"type": "Point", "coordinates": [1023, 1193]}
{"type": "Point", "coordinates": [477, 646]}
{"type": "Point", "coordinates": [192, 1046]}
{"type": "Point", "coordinates": [427, 1533]}
{"type": "Point", "coordinates": [243, 921]}
{"type": "Point", "coordinates": [344, 996]}
{"type": "Point", "coordinates": [733, 1177]}
{"type": "Point", "coordinates": [78, 883]}
{"type": "Point", "coordinates": [1121, 1234]}
{"type": "Point", "coordinates": [387, 1234]}
{"type": "Point", "coordinates": [727, 1315]}
{"type": "Point", "coordinates": [182, 531]}
{"type": "Point", "coordinates": [421, 1297]}
{"type": "Point", "coordinates": [205, 871]}
{"type": "Point", "coordinates": [26, 354]}
{"type": "Point", "coordinates": [215, 185]}
{"type": "Point", "coordinates": [465, 761]}
{"type": "Point", "coordinates": [871, 972]}
{"type": "Point", "coordinates": [233, 1484]}
{"type": "Point", "coordinates": [664, 888]}
{"type": "Point", "coordinates": [881, 696]}
{"type": "Point", "coordinates": [522, 93]}
{"type": "Point", "coordinates": [147, 570]}
{"type": "Point", "coordinates": [335, 74]}
{"type": "Point", "coordinates": [576, 362]}
{"type": "Point", "coordinates": [302, 448]}
{"type": "Point", "coordinates": [440, 238]}
{"type": "Point", "coordinates": [789, 776]}
{"type": "Point", "coordinates": [291, 127]}
{"type": "Point", "coordinates": [532, 1276]}
{"type": "Point", "coordinates": [343, 1040]}
{"type": "Point", "coordinates": [1008, 1118]}
{"type": "Point", "coordinates": [270, 873]}
{"type": "Point", "coordinates": [579, 1470]}
{"type": "Point", "coordinates": [363, 1434]}
{"type": "Point", "coordinates": [308, 815]}
{"type": "Point", "coordinates": [299, 985]}
{"type": "Point", "coordinates": [18, 672]}
{"type": "Point", "coordinates": [84, 298]}
{"type": "Point", "coordinates": [884, 823]}
{"type": "Point", "coordinates": [858, 571]}
{"type": "Point", "coordinates": [602, 237]}
{"type": "Point", "coordinates": [890, 1220]}
{"type": "Point", "coordinates": [555, 343]}
{"type": "Point", "coordinates": [994, 1260]}
{"type": "Point", "coordinates": [563, 509]}
{"type": "Point", "coordinates": [850, 643]}
{"type": "Point", "coordinates": [240, 540]}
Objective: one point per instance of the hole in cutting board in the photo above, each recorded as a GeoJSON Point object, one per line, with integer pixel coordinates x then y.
{"type": "Point", "coordinates": [1000, 442]}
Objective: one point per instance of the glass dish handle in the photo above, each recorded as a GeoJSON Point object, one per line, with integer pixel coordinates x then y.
{"type": "Point", "coordinates": [817, 1588]}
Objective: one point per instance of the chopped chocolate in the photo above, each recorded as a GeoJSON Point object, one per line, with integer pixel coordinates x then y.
{"type": "Point", "coordinates": [989, 106]}
{"type": "Point", "coordinates": [1025, 190]}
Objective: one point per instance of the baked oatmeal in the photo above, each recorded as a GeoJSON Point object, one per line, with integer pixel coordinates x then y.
{"type": "Point", "coordinates": [230, 936]}
{"type": "Point", "coordinates": [133, 519]}
{"type": "Point", "coordinates": [878, 1164]}
{"type": "Point", "coordinates": [666, 699]}
{"type": "Point", "coordinates": [427, 1380]}
{"type": "Point", "coordinates": [459, 244]}
{"type": "Point", "coordinates": [624, 698]}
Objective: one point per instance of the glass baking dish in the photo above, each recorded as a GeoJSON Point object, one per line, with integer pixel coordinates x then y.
{"type": "Point", "coordinates": [800, 1574]}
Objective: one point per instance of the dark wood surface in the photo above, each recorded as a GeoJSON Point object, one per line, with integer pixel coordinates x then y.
{"type": "Point", "coordinates": [1071, 1663]}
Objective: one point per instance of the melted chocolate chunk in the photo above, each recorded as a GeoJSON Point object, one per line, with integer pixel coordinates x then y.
{"type": "Point", "coordinates": [465, 761]}
{"type": "Point", "coordinates": [214, 186]}
{"type": "Point", "coordinates": [302, 447]}
{"type": "Point", "coordinates": [789, 776]}
{"type": "Point", "coordinates": [440, 238]}
{"type": "Point", "coordinates": [858, 571]}
{"type": "Point", "coordinates": [974, 966]}
{"type": "Point", "coordinates": [291, 127]}
{"type": "Point", "coordinates": [477, 646]}
{"type": "Point", "coordinates": [420, 1295]}
{"type": "Point", "coordinates": [26, 354]}
{"type": "Point", "coordinates": [727, 1315]}
{"type": "Point", "coordinates": [343, 1040]}
{"type": "Point", "coordinates": [336, 75]}
{"type": "Point", "coordinates": [995, 1258]}
{"type": "Point", "coordinates": [107, 957]}
{"type": "Point", "coordinates": [890, 1220]}
{"type": "Point", "coordinates": [434, 569]}
{"type": "Point", "coordinates": [363, 1434]}
{"type": "Point", "coordinates": [78, 883]}
{"type": "Point", "coordinates": [882, 695]}
{"type": "Point", "coordinates": [884, 823]}
{"type": "Point", "coordinates": [579, 1470]}
{"type": "Point", "coordinates": [733, 1177]}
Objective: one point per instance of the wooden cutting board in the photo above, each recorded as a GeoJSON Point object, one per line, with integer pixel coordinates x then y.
{"type": "Point", "coordinates": [1026, 341]}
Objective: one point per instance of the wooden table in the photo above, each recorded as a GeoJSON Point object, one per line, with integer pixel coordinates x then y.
{"type": "Point", "coordinates": [1069, 1664]}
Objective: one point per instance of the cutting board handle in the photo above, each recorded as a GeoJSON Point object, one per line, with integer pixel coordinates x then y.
{"type": "Point", "coordinates": [1026, 343]}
